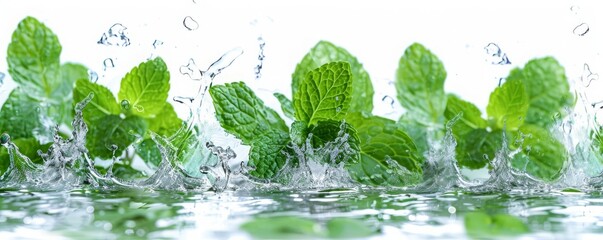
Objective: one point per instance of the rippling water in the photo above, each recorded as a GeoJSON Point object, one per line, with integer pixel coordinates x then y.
{"type": "Point", "coordinates": [130, 214]}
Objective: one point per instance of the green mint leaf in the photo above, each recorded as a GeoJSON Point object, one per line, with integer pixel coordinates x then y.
{"type": "Point", "coordinates": [481, 225]}
{"type": "Point", "coordinates": [324, 94]}
{"type": "Point", "coordinates": [113, 130]}
{"type": "Point", "coordinates": [547, 88]}
{"type": "Point", "coordinates": [70, 73]}
{"type": "Point", "coordinates": [19, 116]}
{"type": "Point", "coordinates": [325, 52]}
{"type": "Point", "coordinates": [266, 154]}
{"type": "Point", "coordinates": [241, 113]}
{"type": "Point", "coordinates": [477, 147]}
{"type": "Point", "coordinates": [348, 228]}
{"type": "Point", "coordinates": [328, 132]}
{"type": "Point", "coordinates": [298, 132]}
{"type": "Point", "coordinates": [102, 104]}
{"type": "Point", "coordinates": [420, 83]}
{"type": "Point", "coordinates": [146, 88]}
{"type": "Point", "coordinates": [28, 147]}
{"type": "Point", "coordinates": [33, 58]}
{"type": "Point", "coordinates": [388, 155]}
{"type": "Point", "coordinates": [542, 156]}
{"type": "Point", "coordinates": [471, 116]}
{"type": "Point", "coordinates": [166, 123]}
{"type": "Point", "coordinates": [286, 105]}
{"type": "Point", "coordinates": [508, 105]}
{"type": "Point", "coordinates": [282, 227]}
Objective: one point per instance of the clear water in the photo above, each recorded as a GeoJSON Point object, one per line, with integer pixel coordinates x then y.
{"type": "Point", "coordinates": [129, 214]}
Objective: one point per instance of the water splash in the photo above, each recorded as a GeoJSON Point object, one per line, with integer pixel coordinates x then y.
{"type": "Point", "coordinates": [115, 36]}
{"type": "Point", "coordinates": [261, 56]}
{"type": "Point", "coordinates": [588, 76]}
{"type": "Point", "coordinates": [496, 55]}
{"type": "Point", "coordinates": [108, 63]}
{"type": "Point", "coordinates": [2, 78]}
{"type": "Point", "coordinates": [441, 171]}
{"type": "Point", "coordinates": [190, 23]}
{"type": "Point", "coordinates": [581, 30]}
{"type": "Point", "coordinates": [157, 43]}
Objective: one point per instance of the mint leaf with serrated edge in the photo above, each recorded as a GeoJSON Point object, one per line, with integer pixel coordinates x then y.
{"type": "Point", "coordinates": [324, 94]}
{"type": "Point", "coordinates": [325, 52]}
{"type": "Point", "coordinates": [388, 155]}
{"type": "Point", "coordinates": [541, 156]}
{"type": "Point", "coordinates": [166, 122]}
{"type": "Point", "coordinates": [286, 105]}
{"type": "Point", "coordinates": [508, 105]}
{"type": "Point", "coordinates": [420, 83]}
{"type": "Point", "coordinates": [547, 88]}
{"type": "Point", "coordinates": [33, 58]}
{"type": "Point", "coordinates": [103, 103]}
{"type": "Point", "coordinates": [28, 147]}
{"type": "Point", "coordinates": [266, 154]}
{"type": "Point", "coordinates": [241, 113]}
{"type": "Point", "coordinates": [146, 88]}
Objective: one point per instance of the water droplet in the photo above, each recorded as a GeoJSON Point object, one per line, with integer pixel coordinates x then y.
{"type": "Point", "coordinates": [125, 104]}
{"type": "Point", "coordinates": [139, 108]}
{"type": "Point", "coordinates": [2, 78]}
{"type": "Point", "coordinates": [113, 148]}
{"type": "Point", "coordinates": [588, 76]}
{"type": "Point", "coordinates": [496, 55]}
{"type": "Point", "coordinates": [485, 156]}
{"type": "Point", "coordinates": [4, 138]}
{"type": "Point", "coordinates": [501, 81]}
{"type": "Point", "coordinates": [191, 70]}
{"type": "Point", "coordinates": [451, 210]}
{"type": "Point", "coordinates": [108, 63]}
{"type": "Point", "coordinates": [190, 23]}
{"type": "Point", "coordinates": [581, 29]}
{"type": "Point", "coordinates": [92, 76]}
{"type": "Point", "coordinates": [115, 36]}
{"type": "Point", "coordinates": [575, 9]}
{"type": "Point", "coordinates": [389, 100]}
{"type": "Point", "coordinates": [338, 109]}
{"type": "Point", "coordinates": [336, 98]}
{"type": "Point", "coordinates": [261, 56]}
{"type": "Point", "coordinates": [157, 43]}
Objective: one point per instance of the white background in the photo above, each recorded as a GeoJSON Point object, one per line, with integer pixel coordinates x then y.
{"type": "Point", "coordinates": [377, 32]}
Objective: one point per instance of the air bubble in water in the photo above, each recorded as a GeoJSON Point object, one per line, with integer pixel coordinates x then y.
{"type": "Point", "coordinates": [588, 76]}
{"type": "Point", "coordinates": [581, 29]}
{"type": "Point", "coordinates": [496, 55]}
{"type": "Point", "coordinates": [190, 23]}
{"type": "Point", "coordinates": [92, 76]}
{"type": "Point", "coordinates": [115, 36]}
{"type": "Point", "coordinates": [125, 104]}
{"type": "Point", "coordinates": [108, 63]}
{"type": "Point", "coordinates": [191, 70]}
{"type": "Point", "coordinates": [389, 100]}
{"type": "Point", "coordinates": [157, 43]}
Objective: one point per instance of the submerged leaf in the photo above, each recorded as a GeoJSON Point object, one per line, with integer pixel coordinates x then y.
{"type": "Point", "coordinates": [324, 94]}
{"type": "Point", "coordinates": [114, 130]}
{"type": "Point", "coordinates": [478, 147]}
{"type": "Point", "coordinates": [282, 227]}
{"type": "Point", "coordinates": [542, 156]}
{"type": "Point", "coordinates": [388, 155]}
{"type": "Point", "coordinates": [325, 52]}
{"type": "Point", "coordinates": [482, 225]}
{"type": "Point", "coordinates": [19, 115]}
{"type": "Point", "coordinates": [348, 228]}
